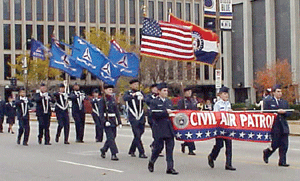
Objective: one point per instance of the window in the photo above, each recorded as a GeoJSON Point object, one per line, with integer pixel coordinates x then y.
{"type": "Point", "coordinates": [161, 11]}
{"type": "Point", "coordinates": [72, 33]}
{"type": "Point", "coordinates": [102, 11]}
{"type": "Point", "coordinates": [180, 70]}
{"type": "Point", "coordinates": [178, 10]}
{"type": "Point", "coordinates": [112, 11]}
{"type": "Point", "coordinates": [72, 10]}
{"type": "Point", "coordinates": [18, 37]}
{"type": "Point", "coordinates": [50, 10]}
{"type": "Point", "coordinates": [82, 31]}
{"type": "Point", "coordinates": [132, 11]}
{"type": "Point", "coordinates": [61, 10]}
{"type": "Point", "coordinates": [141, 11]}
{"type": "Point", "coordinates": [169, 6]}
{"type": "Point", "coordinates": [123, 31]}
{"type": "Point", "coordinates": [7, 67]}
{"type": "Point", "coordinates": [188, 11]}
{"type": "Point", "coordinates": [151, 9]}
{"type": "Point", "coordinates": [18, 10]}
{"type": "Point", "coordinates": [92, 11]}
{"type": "Point", "coordinates": [197, 13]}
{"type": "Point", "coordinates": [61, 30]}
{"type": "Point", "coordinates": [112, 31]}
{"type": "Point", "coordinates": [6, 9]}
{"type": "Point", "coordinates": [28, 36]}
{"type": "Point", "coordinates": [132, 36]}
{"type": "Point", "coordinates": [6, 34]}
{"type": "Point", "coordinates": [122, 11]}
{"type": "Point", "coordinates": [28, 7]}
{"type": "Point", "coordinates": [206, 72]}
{"type": "Point", "coordinates": [82, 11]}
{"type": "Point", "coordinates": [198, 75]}
{"type": "Point", "coordinates": [40, 33]}
{"type": "Point", "coordinates": [39, 10]}
{"type": "Point", "coordinates": [50, 32]}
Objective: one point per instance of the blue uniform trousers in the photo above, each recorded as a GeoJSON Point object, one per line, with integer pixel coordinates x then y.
{"type": "Point", "coordinates": [98, 127]}
{"type": "Point", "coordinates": [216, 150]}
{"type": "Point", "coordinates": [63, 122]}
{"type": "Point", "coordinates": [24, 128]}
{"type": "Point", "coordinates": [79, 118]}
{"type": "Point", "coordinates": [158, 147]}
{"type": "Point", "coordinates": [111, 133]}
{"type": "Point", "coordinates": [44, 124]}
{"type": "Point", "coordinates": [280, 141]}
{"type": "Point", "coordinates": [138, 130]}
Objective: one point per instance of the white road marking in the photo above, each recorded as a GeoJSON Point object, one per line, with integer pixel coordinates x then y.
{"type": "Point", "coordinates": [91, 166]}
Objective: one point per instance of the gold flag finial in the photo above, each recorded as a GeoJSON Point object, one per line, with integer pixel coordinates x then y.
{"type": "Point", "coordinates": [144, 8]}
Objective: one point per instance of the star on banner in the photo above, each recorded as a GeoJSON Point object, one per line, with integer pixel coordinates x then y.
{"type": "Point", "coordinates": [266, 136]}
{"type": "Point", "coordinates": [222, 132]}
{"type": "Point", "coordinates": [208, 133]}
{"type": "Point", "coordinates": [232, 133]}
{"type": "Point", "coordinates": [189, 135]}
{"type": "Point", "coordinates": [259, 135]}
{"type": "Point", "coordinates": [178, 135]}
{"type": "Point", "coordinates": [242, 134]}
{"type": "Point", "coordinates": [250, 135]}
{"type": "Point", "coordinates": [215, 133]}
{"type": "Point", "coordinates": [199, 134]}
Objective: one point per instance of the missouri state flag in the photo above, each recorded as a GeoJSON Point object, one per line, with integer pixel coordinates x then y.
{"type": "Point", "coordinates": [127, 62]}
{"type": "Point", "coordinates": [205, 42]}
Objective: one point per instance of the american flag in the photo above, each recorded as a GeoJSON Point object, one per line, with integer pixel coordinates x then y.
{"type": "Point", "coordinates": [166, 41]}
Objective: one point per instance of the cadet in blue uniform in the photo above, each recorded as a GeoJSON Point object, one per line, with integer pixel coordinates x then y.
{"type": "Point", "coordinates": [109, 113]}
{"type": "Point", "coordinates": [78, 112]}
{"type": "Point", "coordinates": [280, 129]}
{"type": "Point", "coordinates": [2, 110]}
{"type": "Point", "coordinates": [163, 131]}
{"type": "Point", "coordinates": [62, 113]}
{"type": "Point", "coordinates": [222, 105]}
{"type": "Point", "coordinates": [43, 113]}
{"type": "Point", "coordinates": [95, 114]}
{"type": "Point", "coordinates": [10, 112]}
{"type": "Point", "coordinates": [22, 106]}
{"type": "Point", "coordinates": [148, 99]}
{"type": "Point", "coordinates": [187, 103]}
{"type": "Point", "coordinates": [134, 101]}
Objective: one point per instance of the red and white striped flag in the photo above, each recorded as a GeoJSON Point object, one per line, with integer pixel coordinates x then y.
{"type": "Point", "coordinates": [166, 41]}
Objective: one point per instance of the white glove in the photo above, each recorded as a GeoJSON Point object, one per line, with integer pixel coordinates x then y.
{"type": "Point", "coordinates": [107, 123]}
{"type": "Point", "coordinates": [120, 126]}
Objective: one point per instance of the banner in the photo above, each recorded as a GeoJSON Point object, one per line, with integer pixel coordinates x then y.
{"type": "Point", "coordinates": [192, 125]}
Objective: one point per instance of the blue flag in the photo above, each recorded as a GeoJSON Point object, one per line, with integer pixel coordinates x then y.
{"type": "Point", "coordinates": [37, 49]}
{"type": "Point", "coordinates": [60, 60]}
{"type": "Point", "coordinates": [128, 63]}
{"type": "Point", "coordinates": [91, 58]}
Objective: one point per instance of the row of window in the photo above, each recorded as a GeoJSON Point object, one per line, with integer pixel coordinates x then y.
{"type": "Point", "coordinates": [92, 10]}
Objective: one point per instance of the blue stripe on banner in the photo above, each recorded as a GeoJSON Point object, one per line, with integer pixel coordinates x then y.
{"type": "Point", "coordinates": [204, 134]}
{"type": "Point", "coordinates": [205, 57]}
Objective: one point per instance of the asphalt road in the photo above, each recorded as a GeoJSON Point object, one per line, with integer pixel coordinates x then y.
{"type": "Point", "coordinates": [81, 161]}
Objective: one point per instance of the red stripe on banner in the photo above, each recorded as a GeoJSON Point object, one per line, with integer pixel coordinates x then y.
{"type": "Point", "coordinates": [165, 56]}
{"type": "Point", "coordinates": [168, 50]}
{"type": "Point", "coordinates": [182, 48]}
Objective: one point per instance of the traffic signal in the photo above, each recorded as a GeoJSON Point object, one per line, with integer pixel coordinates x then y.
{"type": "Point", "coordinates": [13, 81]}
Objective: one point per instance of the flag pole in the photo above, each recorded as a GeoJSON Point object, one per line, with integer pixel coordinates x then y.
{"type": "Point", "coordinates": [144, 8]}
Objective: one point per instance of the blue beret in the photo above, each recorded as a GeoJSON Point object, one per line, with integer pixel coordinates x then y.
{"type": "Point", "coordinates": [187, 88]}
{"type": "Point", "coordinates": [133, 81]}
{"type": "Point", "coordinates": [153, 85]}
{"type": "Point", "coordinates": [224, 89]}
{"type": "Point", "coordinates": [42, 84]}
{"type": "Point", "coordinates": [96, 91]}
{"type": "Point", "coordinates": [276, 86]}
{"type": "Point", "coordinates": [61, 85]}
{"type": "Point", "coordinates": [162, 86]}
{"type": "Point", "coordinates": [107, 86]}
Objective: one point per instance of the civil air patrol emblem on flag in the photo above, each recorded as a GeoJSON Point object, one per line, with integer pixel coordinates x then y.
{"type": "Point", "coordinates": [181, 120]}
{"type": "Point", "coordinates": [198, 42]}
{"type": "Point", "coordinates": [124, 61]}
{"type": "Point", "coordinates": [106, 69]}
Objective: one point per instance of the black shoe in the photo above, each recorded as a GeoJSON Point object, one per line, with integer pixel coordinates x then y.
{"type": "Point", "coordinates": [283, 165]}
{"type": "Point", "coordinates": [66, 142]}
{"type": "Point", "coordinates": [192, 153]}
{"type": "Point", "coordinates": [25, 144]}
{"type": "Point", "coordinates": [40, 140]}
{"type": "Point", "coordinates": [79, 141]}
{"type": "Point", "coordinates": [143, 156]}
{"type": "Point", "coordinates": [132, 154]}
{"type": "Point", "coordinates": [114, 158]}
{"type": "Point", "coordinates": [227, 167]}
{"type": "Point", "coordinates": [266, 156]}
{"type": "Point", "coordinates": [48, 143]}
{"type": "Point", "coordinates": [56, 139]}
{"type": "Point", "coordinates": [12, 132]}
{"type": "Point", "coordinates": [211, 162]}
{"type": "Point", "coordinates": [98, 140]}
{"type": "Point", "coordinates": [102, 153]}
{"type": "Point", "coordinates": [18, 141]}
{"type": "Point", "coordinates": [172, 171]}
{"type": "Point", "coordinates": [151, 166]}
{"type": "Point", "coordinates": [182, 148]}
{"type": "Point", "coordinates": [1, 131]}
{"type": "Point", "coordinates": [8, 130]}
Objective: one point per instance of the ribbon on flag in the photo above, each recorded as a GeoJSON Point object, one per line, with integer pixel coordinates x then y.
{"type": "Point", "coordinates": [203, 125]}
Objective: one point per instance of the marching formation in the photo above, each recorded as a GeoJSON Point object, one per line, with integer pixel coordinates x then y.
{"type": "Point", "coordinates": [106, 115]}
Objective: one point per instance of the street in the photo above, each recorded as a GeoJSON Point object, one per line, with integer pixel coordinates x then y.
{"type": "Point", "coordinates": [82, 161]}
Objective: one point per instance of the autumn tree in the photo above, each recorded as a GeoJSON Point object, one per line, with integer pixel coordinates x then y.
{"type": "Point", "coordinates": [280, 73]}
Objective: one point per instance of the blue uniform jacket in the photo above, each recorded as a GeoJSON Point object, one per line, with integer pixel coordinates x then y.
{"type": "Point", "coordinates": [10, 110]}
{"type": "Point", "coordinates": [187, 103]}
{"type": "Point", "coordinates": [134, 106]}
{"type": "Point", "coordinates": [162, 126]}
{"type": "Point", "coordinates": [2, 108]}
{"type": "Point", "coordinates": [112, 109]}
{"type": "Point", "coordinates": [22, 107]}
{"type": "Point", "coordinates": [62, 103]}
{"type": "Point", "coordinates": [280, 124]}
{"type": "Point", "coordinates": [77, 99]}
{"type": "Point", "coordinates": [42, 104]}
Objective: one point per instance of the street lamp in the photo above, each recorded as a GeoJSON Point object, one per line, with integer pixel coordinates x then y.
{"type": "Point", "coordinates": [25, 66]}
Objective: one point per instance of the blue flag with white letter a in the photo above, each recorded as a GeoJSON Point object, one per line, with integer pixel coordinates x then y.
{"type": "Point", "coordinates": [60, 60]}
{"type": "Point", "coordinates": [37, 49]}
{"type": "Point", "coordinates": [128, 63]}
{"type": "Point", "coordinates": [91, 58]}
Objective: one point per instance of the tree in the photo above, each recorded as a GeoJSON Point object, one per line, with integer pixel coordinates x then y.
{"type": "Point", "coordinates": [280, 73]}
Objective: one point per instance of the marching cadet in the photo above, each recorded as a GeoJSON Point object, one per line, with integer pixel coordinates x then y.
{"type": "Point", "coordinates": [10, 112]}
{"type": "Point", "coordinates": [95, 114]}
{"type": "Point", "coordinates": [280, 129]}
{"type": "Point", "coordinates": [78, 112]}
{"type": "Point", "coordinates": [62, 113]}
{"type": "Point", "coordinates": [161, 107]}
{"type": "Point", "coordinates": [188, 104]}
{"type": "Point", "coordinates": [43, 113]}
{"type": "Point", "coordinates": [109, 114]}
{"type": "Point", "coordinates": [222, 105]}
{"type": "Point", "coordinates": [148, 100]}
{"type": "Point", "coordinates": [22, 106]}
{"type": "Point", "coordinates": [2, 110]}
{"type": "Point", "coordinates": [134, 101]}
